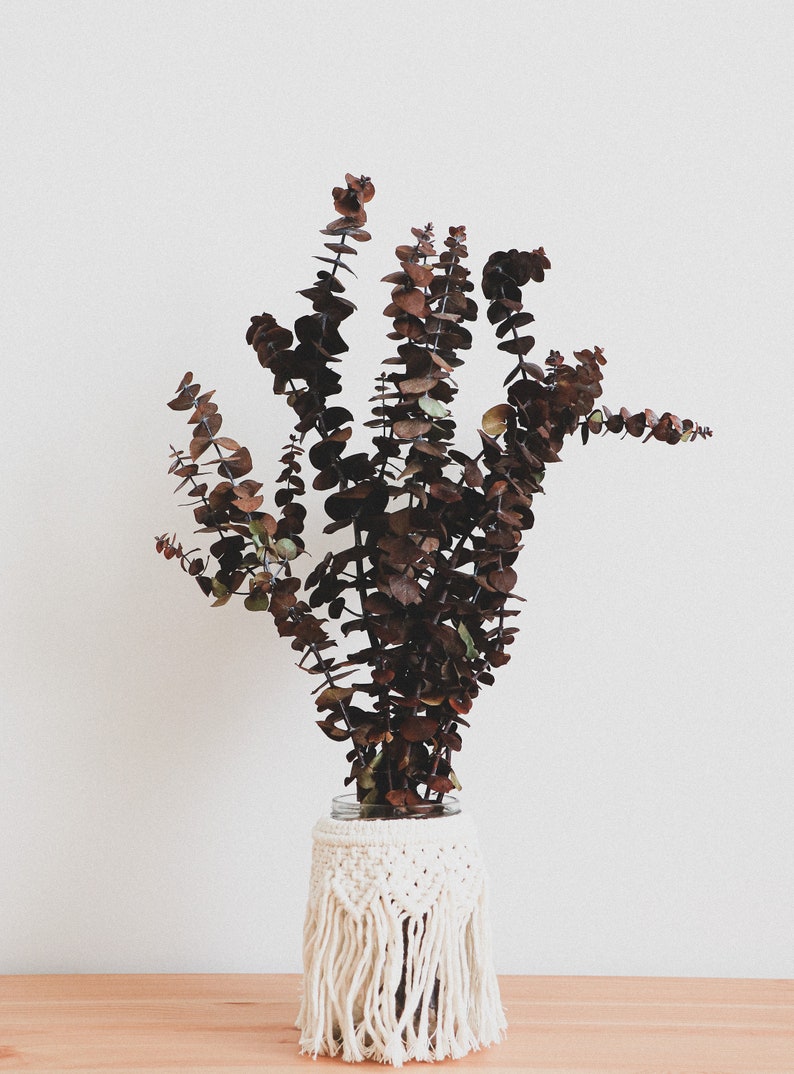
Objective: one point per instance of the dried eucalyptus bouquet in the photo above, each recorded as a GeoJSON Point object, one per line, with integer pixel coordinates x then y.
{"type": "Point", "coordinates": [425, 589]}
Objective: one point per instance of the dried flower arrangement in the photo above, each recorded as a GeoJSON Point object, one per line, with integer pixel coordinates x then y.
{"type": "Point", "coordinates": [428, 577]}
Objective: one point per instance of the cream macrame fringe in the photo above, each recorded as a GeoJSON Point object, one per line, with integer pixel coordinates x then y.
{"type": "Point", "coordinates": [390, 899]}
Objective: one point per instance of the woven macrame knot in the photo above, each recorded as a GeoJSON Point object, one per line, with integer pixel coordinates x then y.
{"type": "Point", "coordinates": [410, 871]}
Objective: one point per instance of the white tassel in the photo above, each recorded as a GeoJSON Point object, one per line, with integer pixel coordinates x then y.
{"type": "Point", "coordinates": [391, 903]}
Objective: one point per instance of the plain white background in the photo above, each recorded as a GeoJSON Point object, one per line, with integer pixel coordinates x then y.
{"type": "Point", "coordinates": [165, 170]}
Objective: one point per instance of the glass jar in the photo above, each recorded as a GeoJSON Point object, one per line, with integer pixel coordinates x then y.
{"type": "Point", "coordinates": [347, 807]}
{"type": "Point", "coordinates": [415, 894]}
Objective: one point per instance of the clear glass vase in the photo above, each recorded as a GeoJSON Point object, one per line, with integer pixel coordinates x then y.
{"type": "Point", "coordinates": [347, 807]}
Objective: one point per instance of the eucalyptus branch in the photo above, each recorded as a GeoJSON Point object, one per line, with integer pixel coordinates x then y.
{"type": "Point", "coordinates": [320, 664]}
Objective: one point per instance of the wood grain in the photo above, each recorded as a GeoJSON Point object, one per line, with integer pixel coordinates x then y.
{"type": "Point", "coordinates": [153, 1024]}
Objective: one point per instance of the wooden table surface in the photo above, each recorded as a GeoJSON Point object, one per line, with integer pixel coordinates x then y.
{"type": "Point", "coordinates": [152, 1024]}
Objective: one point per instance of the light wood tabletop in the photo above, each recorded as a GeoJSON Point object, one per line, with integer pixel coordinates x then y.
{"type": "Point", "coordinates": [153, 1024]}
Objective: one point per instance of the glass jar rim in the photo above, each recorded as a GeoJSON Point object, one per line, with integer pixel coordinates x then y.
{"type": "Point", "coordinates": [348, 807]}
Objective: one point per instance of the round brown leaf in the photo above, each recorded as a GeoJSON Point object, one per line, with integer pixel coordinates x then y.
{"type": "Point", "coordinates": [405, 589]}
{"type": "Point", "coordinates": [494, 421]}
{"type": "Point", "coordinates": [237, 465]}
{"type": "Point", "coordinates": [382, 676]}
{"type": "Point", "coordinates": [444, 492]}
{"type": "Point", "coordinates": [410, 428]}
{"type": "Point", "coordinates": [333, 695]}
{"type": "Point", "coordinates": [504, 580]}
{"type": "Point", "coordinates": [417, 385]}
{"type": "Point", "coordinates": [440, 784]}
{"type": "Point", "coordinates": [420, 274]}
{"type": "Point", "coordinates": [418, 728]}
{"type": "Point", "coordinates": [249, 503]}
{"type": "Point", "coordinates": [472, 474]}
{"type": "Point", "coordinates": [412, 301]}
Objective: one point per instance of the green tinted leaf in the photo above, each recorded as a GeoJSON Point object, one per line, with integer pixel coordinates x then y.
{"type": "Point", "coordinates": [286, 549]}
{"type": "Point", "coordinates": [366, 778]}
{"type": "Point", "coordinates": [468, 641]}
{"type": "Point", "coordinates": [434, 407]}
{"type": "Point", "coordinates": [219, 589]}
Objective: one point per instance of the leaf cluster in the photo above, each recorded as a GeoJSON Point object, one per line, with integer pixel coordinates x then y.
{"type": "Point", "coordinates": [425, 590]}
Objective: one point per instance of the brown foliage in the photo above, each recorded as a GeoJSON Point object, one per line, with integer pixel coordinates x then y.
{"type": "Point", "coordinates": [428, 575]}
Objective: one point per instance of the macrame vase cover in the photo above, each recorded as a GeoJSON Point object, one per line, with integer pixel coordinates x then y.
{"type": "Point", "coordinates": [397, 952]}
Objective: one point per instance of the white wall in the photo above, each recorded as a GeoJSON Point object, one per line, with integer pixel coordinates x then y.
{"type": "Point", "coordinates": [166, 168]}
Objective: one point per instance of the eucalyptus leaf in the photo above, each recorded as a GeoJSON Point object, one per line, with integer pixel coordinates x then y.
{"type": "Point", "coordinates": [286, 549]}
{"type": "Point", "coordinates": [468, 641]}
{"type": "Point", "coordinates": [219, 589]}
{"type": "Point", "coordinates": [432, 407]}
{"type": "Point", "coordinates": [257, 602]}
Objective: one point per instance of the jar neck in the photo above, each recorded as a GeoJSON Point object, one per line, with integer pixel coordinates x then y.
{"type": "Point", "coordinates": [347, 807]}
